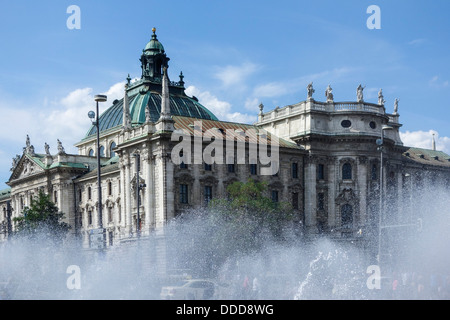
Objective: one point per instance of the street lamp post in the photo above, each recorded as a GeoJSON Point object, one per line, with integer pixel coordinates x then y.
{"type": "Point", "coordinates": [98, 98]}
{"type": "Point", "coordinates": [380, 143]}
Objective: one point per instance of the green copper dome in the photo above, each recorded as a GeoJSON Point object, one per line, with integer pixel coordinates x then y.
{"type": "Point", "coordinates": [180, 105]}
{"type": "Point", "coordinates": [147, 92]}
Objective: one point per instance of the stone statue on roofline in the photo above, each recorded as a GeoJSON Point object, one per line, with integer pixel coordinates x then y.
{"type": "Point", "coordinates": [29, 148]}
{"type": "Point", "coordinates": [381, 100]}
{"type": "Point", "coordinates": [15, 162]}
{"type": "Point", "coordinates": [60, 148]}
{"type": "Point", "coordinates": [329, 94]}
{"type": "Point", "coordinates": [359, 93]}
{"type": "Point", "coordinates": [310, 90]}
{"type": "Point", "coordinates": [396, 105]}
{"type": "Point", "coordinates": [47, 149]}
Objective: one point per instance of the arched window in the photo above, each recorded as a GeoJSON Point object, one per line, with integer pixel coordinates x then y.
{"type": "Point", "coordinates": [102, 151]}
{"type": "Point", "coordinates": [91, 152]}
{"type": "Point", "coordinates": [347, 171]}
{"type": "Point", "coordinates": [111, 151]}
{"type": "Point", "coordinates": [347, 216]}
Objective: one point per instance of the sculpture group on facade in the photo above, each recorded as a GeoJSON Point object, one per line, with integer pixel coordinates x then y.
{"type": "Point", "coordinates": [359, 95]}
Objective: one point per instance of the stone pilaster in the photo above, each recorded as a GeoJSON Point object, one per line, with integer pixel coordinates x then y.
{"type": "Point", "coordinates": [332, 177]}
{"type": "Point", "coordinates": [363, 189]}
{"type": "Point", "coordinates": [310, 195]}
{"type": "Point", "coordinates": [149, 207]}
{"type": "Point", "coordinates": [127, 189]}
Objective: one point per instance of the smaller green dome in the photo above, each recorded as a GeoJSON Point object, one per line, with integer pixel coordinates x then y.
{"type": "Point", "coordinates": [154, 46]}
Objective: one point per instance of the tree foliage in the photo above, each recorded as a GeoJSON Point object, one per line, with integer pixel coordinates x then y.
{"type": "Point", "coordinates": [41, 219]}
{"type": "Point", "coordinates": [248, 208]}
{"type": "Point", "coordinates": [241, 224]}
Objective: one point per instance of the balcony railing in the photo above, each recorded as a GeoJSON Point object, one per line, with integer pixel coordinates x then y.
{"type": "Point", "coordinates": [279, 113]}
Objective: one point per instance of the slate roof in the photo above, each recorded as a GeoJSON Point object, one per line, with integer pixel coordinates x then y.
{"type": "Point", "coordinates": [426, 156]}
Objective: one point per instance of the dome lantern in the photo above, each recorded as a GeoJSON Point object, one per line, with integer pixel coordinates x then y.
{"type": "Point", "coordinates": [153, 59]}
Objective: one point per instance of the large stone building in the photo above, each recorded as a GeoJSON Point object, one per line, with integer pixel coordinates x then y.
{"type": "Point", "coordinates": [324, 160]}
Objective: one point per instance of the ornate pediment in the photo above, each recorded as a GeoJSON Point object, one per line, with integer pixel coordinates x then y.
{"type": "Point", "coordinates": [142, 184]}
{"type": "Point", "coordinates": [25, 167]}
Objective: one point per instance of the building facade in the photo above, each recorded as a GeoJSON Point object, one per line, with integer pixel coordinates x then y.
{"type": "Point", "coordinates": [324, 160]}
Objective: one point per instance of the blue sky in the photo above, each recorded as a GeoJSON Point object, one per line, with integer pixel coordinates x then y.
{"type": "Point", "coordinates": [234, 55]}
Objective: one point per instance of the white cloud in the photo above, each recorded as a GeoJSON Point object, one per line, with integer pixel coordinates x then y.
{"type": "Point", "coordinates": [437, 83]}
{"type": "Point", "coordinates": [64, 119]}
{"type": "Point", "coordinates": [423, 139]}
{"type": "Point", "coordinates": [252, 104]}
{"type": "Point", "coordinates": [416, 42]}
{"type": "Point", "coordinates": [269, 90]}
{"type": "Point", "coordinates": [221, 109]}
{"type": "Point", "coordinates": [235, 75]}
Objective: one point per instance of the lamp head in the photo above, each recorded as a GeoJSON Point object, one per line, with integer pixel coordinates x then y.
{"type": "Point", "coordinates": [91, 114]}
{"type": "Point", "coordinates": [100, 98]}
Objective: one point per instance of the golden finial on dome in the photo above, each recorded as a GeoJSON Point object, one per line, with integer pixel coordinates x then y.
{"type": "Point", "coordinates": [154, 29]}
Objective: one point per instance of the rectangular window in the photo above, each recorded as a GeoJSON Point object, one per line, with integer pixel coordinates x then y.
{"type": "Point", "coordinates": [208, 194]}
{"type": "Point", "coordinates": [320, 172]}
{"type": "Point", "coordinates": [295, 200]}
{"type": "Point", "coordinates": [89, 217]}
{"type": "Point", "coordinates": [295, 170]}
{"type": "Point", "coordinates": [208, 167]}
{"type": "Point", "coordinates": [374, 173]}
{"type": "Point", "coordinates": [321, 201]}
{"type": "Point", "coordinates": [231, 168]}
{"type": "Point", "coordinates": [253, 169]}
{"type": "Point", "coordinates": [183, 193]}
{"type": "Point", "coordinates": [274, 195]}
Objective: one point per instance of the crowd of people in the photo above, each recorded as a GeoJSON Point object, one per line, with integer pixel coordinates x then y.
{"type": "Point", "coordinates": [419, 286]}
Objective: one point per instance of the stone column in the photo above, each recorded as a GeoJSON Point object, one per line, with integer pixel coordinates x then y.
{"type": "Point", "coordinates": [332, 179]}
{"type": "Point", "coordinates": [362, 188]}
{"type": "Point", "coordinates": [310, 195]}
{"type": "Point", "coordinates": [127, 189]}
{"type": "Point", "coordinates": [169, 186]}
{"type": "Point", "coordinates": [160, 186]}
{"type": "Point", "coordinates": [149, 210]}
{"type": "Point", "coordinates": [122, 193]}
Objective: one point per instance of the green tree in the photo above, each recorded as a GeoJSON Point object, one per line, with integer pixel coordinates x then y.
{"type": "Point", "coordinates": [41, 219]}
{"type": "Point", "coordinates": [251, 217]}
